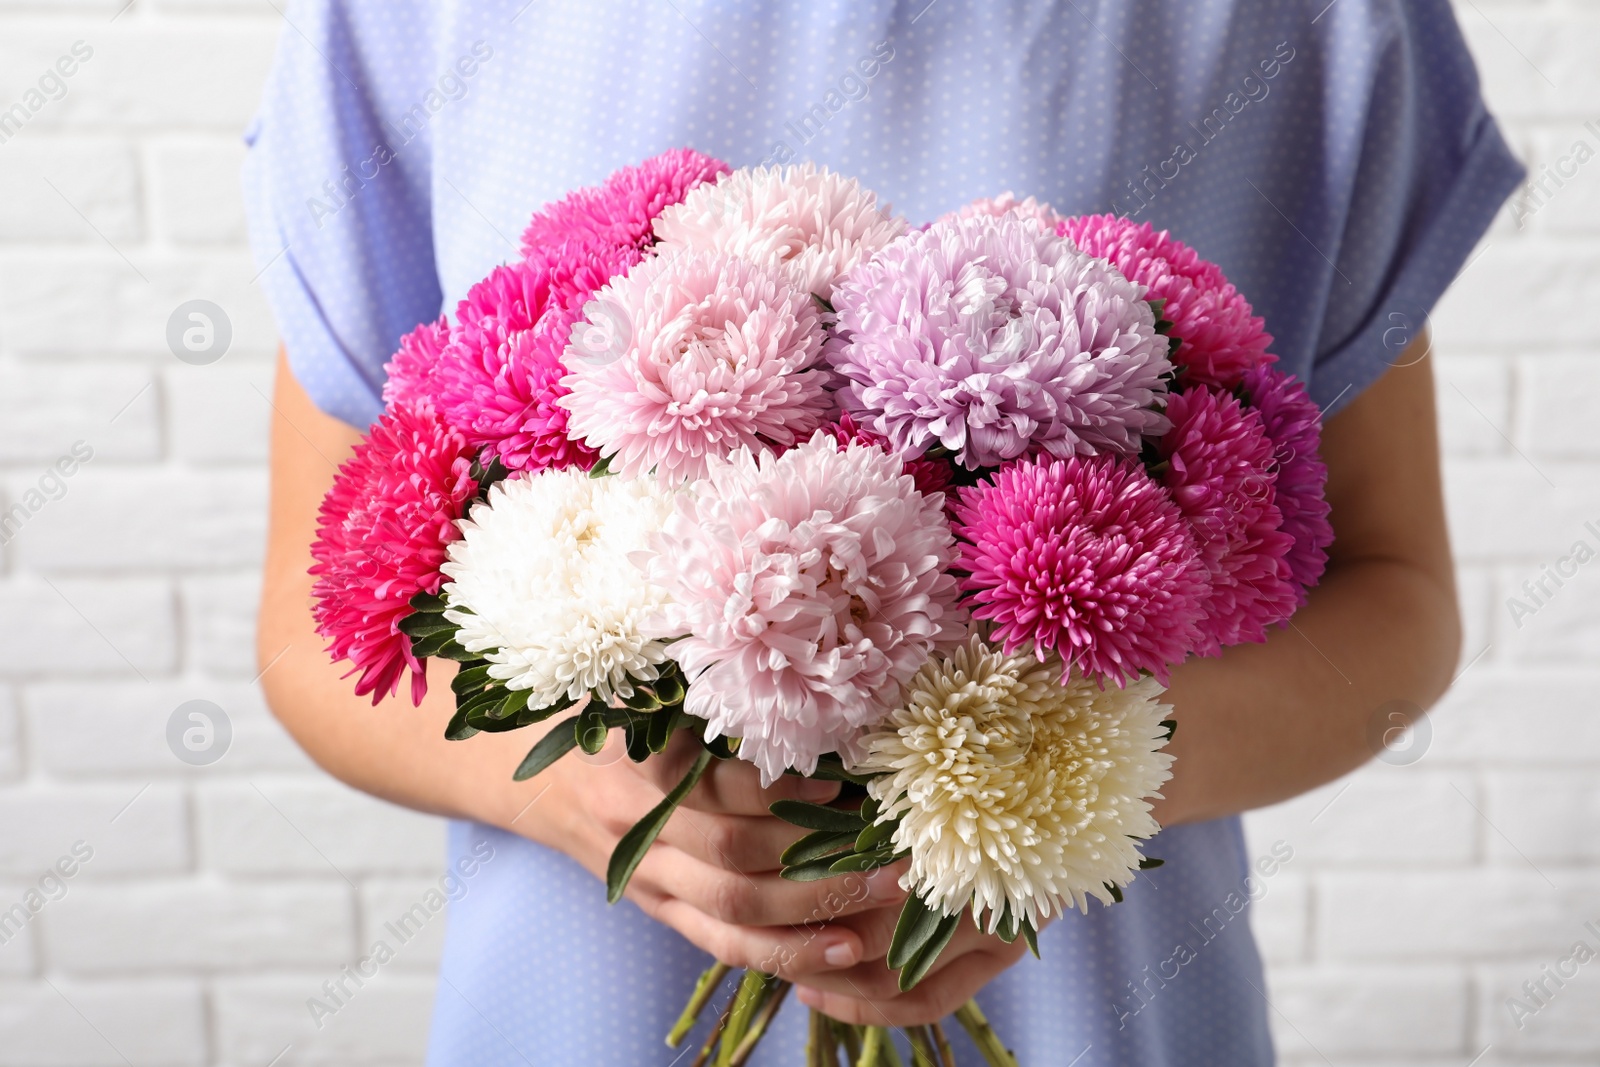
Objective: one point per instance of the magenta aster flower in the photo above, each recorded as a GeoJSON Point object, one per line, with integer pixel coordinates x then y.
{"type": "Point", "coordinates": [810, 586]}
{"type": "Point", "coordinates": [620, 212]}
{"type": "Point", "coordinates": [714, 354]}
{"type": "Point", "coordinates": [411, 369]}
{"type": "Point", "coordinates": [1294, 425]}
{"type": "Point", "coordinates": [500, 378]}
{"type": "Point", "coordinates": [381, 537]}
{"type": "Point", "coordinates": [992, 337]}
{"type": "Point", "coordinates": [931, 475]}
{"type": "Point", "coordinates": [1221, 472]}
{"type": "Point", "coordinates": [1086, 557]}
{"type": "Point", "coordinates": [1221, 337]}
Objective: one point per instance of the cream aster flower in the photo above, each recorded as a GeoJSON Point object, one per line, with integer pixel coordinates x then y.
{"type": "Point", "coordinates": [541, 583]}
{"type": "Point", "coordinates": [1015, 788]}
{"type": "Point", "coordinates": [808, 221]}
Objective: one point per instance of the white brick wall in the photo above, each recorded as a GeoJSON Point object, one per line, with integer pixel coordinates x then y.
{"type": "Point", "coordinates": [219, 898]}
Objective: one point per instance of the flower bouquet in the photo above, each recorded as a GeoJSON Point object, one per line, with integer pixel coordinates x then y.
{"type": "Point", "coordinates": [742, 455]}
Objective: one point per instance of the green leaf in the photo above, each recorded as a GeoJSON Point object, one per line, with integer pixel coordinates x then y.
{"type": "Point", "coordinates": [551, 747]}
{"type": "Point", "coordinates": [823, 303]}
{"type": "Point", "coordinates": [1031, 936]}
{"type": "Point", "coordinates": [470, 678]}
{"type": "Point", "coordinates": [591, 727]}
{"type": "Point", "coordinates": [815, 871]}
{"type": "Point", "coordinates": [628, 854]}
{"type": "Point", "coordinates": [459, 730]}
{"type": "Point", "coordinates": [1009, 927]}
{"type": "Point", "coordinates": [1171, 726]}
{"type": "Point", "coordinates": [661, 727]}
{"type": "Point", "coordinates": [831, 769]}
{"type": "Point", "coordinates": [817, 817]}
{"type": "Point", "coordinates": [1115, 891]}
{"type": "Point", "coordinates": [669, 687]}
{"type": "Point", "coordinates": [815, 846]}
{"type": "Point", "coordinates": [642, 699]}
{"type": "Point", "coordinates": [1150, 863]}
{"type": "Point", "coordinates": [434, 644]}
{"type": "Point", "coordinates": [863, 861]}
{"type": "Point", "coordinates": [917, 924]}
{"type": "Point", "coordinates": [917, 967]}
{"type": "Point", "coordinates": [426, 625]}
{"type": "Point", "coordinates": [875, 836]}
{"type": "Point", "coordinates": [601, 468]}
{"type": "Point", "coordinates": [638, 736]}
{"type": "Point", "coordinates": [870, 809]}
{"type": "Point", "coordinates": [428, 603]}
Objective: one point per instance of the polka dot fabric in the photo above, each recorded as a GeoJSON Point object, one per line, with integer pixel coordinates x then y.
{"type": "Point", "coordinates": [1337, 161]}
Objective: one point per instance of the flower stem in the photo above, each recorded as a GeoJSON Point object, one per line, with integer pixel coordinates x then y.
{"type": "Point", "coordinates": [850, 1037]}
{"type": "Point", "coordinates": [752, 991]}
{"type": "Point", "coordinates": [921, 1046]}
{"type": "Point", "coordinates": [758, 1027]}
{"type": "Point", "coordinates": [698, 1000]}
{"type": "Point", "coordinates": [994, 1051]}
{"type": "Point", "coordinates": [716, 1035]}
{"type": "Point", "coordinates": [947, 1056]}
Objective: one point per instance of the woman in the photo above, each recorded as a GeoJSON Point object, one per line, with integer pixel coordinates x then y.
{"type": "Point", "coordinates": [1335, 159]}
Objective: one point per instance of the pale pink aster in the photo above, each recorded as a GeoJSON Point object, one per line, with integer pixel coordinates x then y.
{"type": "Point", "coordinates": [382, 533]}
{"type": "Point", "coordinates": [1006, 204]}
{"type": "Point", "coordinates": [1086, 557]}
{"type": "Point", "coordinates": [808, 586]}
{"type": "Point", "coordinates": [713, 354]}
{"type": "Point", "coordinates": [1220, 334]}
{"type": "Point", "coordinates": [931, 475]}
{"type": "Point", "coordinates": [807, 222]}
{"type": "Point", "coordinates": [412, 368]}
{"type": "Point", "coordinates": [619, 212]}
{"type": "Point", "coordinates": [992, 338]}
{"type": "Point", "coordinates": [1294, 424]}
{"type": "Point", "coordinates": [1220, 470]}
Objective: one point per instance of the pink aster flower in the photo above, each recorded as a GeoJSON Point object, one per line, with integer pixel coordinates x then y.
{"type": "Point", "coordinates": [1294, 425]}
{"type": "Point", "coordinates": [1084, 556]}
{"type": "Point", "coordinates": [500, 378]}
{"type": "Point", "coordinates": [381, 537]}
{"type": "Point", "coordinates": [619, 212]}
{"type": "Point", "coordinates": [810, 586]}
{"type": "Point", "coordinates": [411, 369]}
{"type": "Point", "coordinates": [1006, 204]}
{"type": "Point", "coordinates": [1221, 337]}
{"type": "Point", "coordinates": [714, 354]}
{"type": "Point", "coordinates": [931, 475]}
{"type": "Point", "coordinates": [992, 337]}
{"type": "Point", "coordinates": [1221, 472]}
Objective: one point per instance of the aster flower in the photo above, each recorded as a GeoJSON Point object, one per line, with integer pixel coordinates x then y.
{"type": "Point", "coordinates": [541, 585]}
{"type": "Point", "coordinates": [1006, 204]}
{"type": "Point", "coordinates": [1221, 472]}
{"type": "Point", "coordinates": [1294, 425]}
{"type": "Point", "coordinates": [1221, 337]}
{"type": "Point", "coordinates": [618, 213]}
{"type": "Point", "coordinates": [716, 354]}
{"type": "Point", "coordinates": [1086, 557]}
{"type": "Point", "coordinates": [500, 378]}
{"type": "Point", "coordinates": [381, 536]}
{"type": "Point", "coordinates": [992, 337]}
{"type": "Point", "coordinates": [930, 475]}
{"type": "Point", "coordinates": [1017, 790]}
{"type": "Point", "coordinates": [412, 368]}
{"type": "Point", "coordinates": [810, 585]}
{"type": "Point", "coordinates": [808, 222]}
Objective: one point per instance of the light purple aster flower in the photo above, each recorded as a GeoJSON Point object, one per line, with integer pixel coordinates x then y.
{"type": "Point", "coordinates": [995, 338]}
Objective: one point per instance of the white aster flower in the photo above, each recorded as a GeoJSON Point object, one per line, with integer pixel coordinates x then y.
{"type": "Point", "coordinates": [808, 221]}
{"type": "Point", "coordinates": [541, 583]}
{"type": "Point", "coordinates": [1015, 788]}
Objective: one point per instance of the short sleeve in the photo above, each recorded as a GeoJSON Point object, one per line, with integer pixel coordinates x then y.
{"type": "Point", "coordinates": [1428, 171]}
{"type": "Point", "coordinates": [337, 189]}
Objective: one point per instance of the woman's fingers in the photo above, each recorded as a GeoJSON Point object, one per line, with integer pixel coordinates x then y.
{"type": "Point", "coordinates": [742, 899]}
{"type": "Point", "coordinates": [872, 980]}
{"type": "Point", "coordinates": [933, 998]}
{"type": "Point", "coordinates": [748, 843]}
{"type": "Point", "coordinates": [730, 786]}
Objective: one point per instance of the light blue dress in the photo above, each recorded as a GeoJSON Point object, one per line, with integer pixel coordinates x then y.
{"type": "Point", "coordinates": [1335, 159]}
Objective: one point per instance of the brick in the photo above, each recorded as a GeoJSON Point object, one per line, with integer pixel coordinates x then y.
{"type": "Point", "coordinates": [1547, 816]}
{"type": "Point", "coordinates": [1563, 1024]}
{"type": "Point", "coordinates": [90, 303]}
{"type": "Point", "coordinates": [1553, 202]}
{"type": "Point", "coordinates": [131, 828]}
{"type": "Point", "coordinates": [1330, 1011]}
{"type": "Point", "coordinates": [1542, 280]}
{"type": "Point", "coordinates": [220, 414]}
{"type": "Point", "coordinates": [1477, 592]}
{"type": "Point", "coordinates": [181, 924]}
{"type": "Point", "coordinates": [84, 628]}
{"type": "Point", "coordinates": [195, 186]}
{"type": "Point", "coordinates": [18, 950]}
{"type": "Point", "coordinates": [385, 903]}
{"type": "Point", "coordinates": [1509, 718]}
{"type": "Point", "coordinates": [383, 1023]}
{"type": "Point", "coordinates": [188, 520]}
{"type": "Point", "coordinates": [78, 190]}
{"type": "Point", "coordinates": [1501, 507]}
{"type": "Point", "coordinates": [1536, 63]}
{"type": "Point", "coordinates": [1281, 919]}
{"type": "Point", "coordinates": [11, 762]}
{"type": "Point", "coordinates": [1474, 397]}
{"type": "Point", "coordinates": [219, 623]}
{"type": "Point", "coordinates": [1559, 404]}
{"type": "Point", "coordinates": [1493, 913]}
{"type": "Point", "coordinates": [288, 826]}
{"type": "Point", "coordinates": [102, 1024]}
{"type": "Point", "coordinates": [85, 729]}
{"type": "Point", "coordinates": [114, 410]}
{"type": "Point", "coordinates": [1394, 816]}
{"type": "Point", "coordinates": [1550, 625]}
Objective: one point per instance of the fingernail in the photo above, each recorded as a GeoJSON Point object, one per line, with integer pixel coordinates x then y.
{"type": "Point", "coordinates": [884, 884]}
{"type": "Point", "coordinates": [840, 954]}
{"type": "Point", "coordinates": [818, 790]}
{"type": "Point", "coordinates": [808, 996]}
